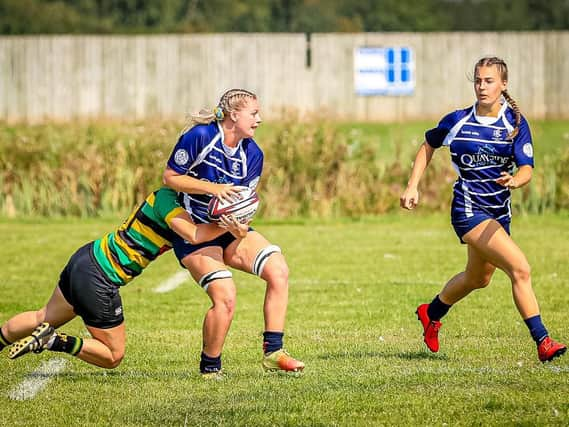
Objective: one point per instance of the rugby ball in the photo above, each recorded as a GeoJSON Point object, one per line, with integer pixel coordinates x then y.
{"type": "Point", "coordinates": [243, 207]}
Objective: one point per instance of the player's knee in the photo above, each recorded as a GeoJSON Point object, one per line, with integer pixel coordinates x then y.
{"type": "Point", "coordinates": [223, 298]}
{"type": "Point", "coordinates": [224, 304]}
{"type": "Point", "coordinates": [521, 272]}
{"type": "Point", "coordinates": [276, 272]}
{"type": "Point", "coordinates": [115, 360]}
{"type": "Point", "coordinates": [228, 305]}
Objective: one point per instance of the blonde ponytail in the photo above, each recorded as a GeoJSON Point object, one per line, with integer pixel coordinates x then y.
{"type": "Point", "coordinates": [516, 109]}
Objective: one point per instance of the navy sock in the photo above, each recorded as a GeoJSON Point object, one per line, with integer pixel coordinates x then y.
{"type": "Point", "coordinates": [210, 364]}
{"type": "Point", "coordinates": [272, 341]}
{"type": "Point", "coordinates": [437, 309]}
{"type": "Point", "coordinates": [536, 328]}
{"type": "Point", "coordinates": [3, 341]}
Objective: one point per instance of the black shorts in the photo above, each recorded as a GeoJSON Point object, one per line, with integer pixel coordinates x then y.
{"type": "Point", "coordinates": [93, 297]}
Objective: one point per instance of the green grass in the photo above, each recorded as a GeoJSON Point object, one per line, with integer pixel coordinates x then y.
{"type": "Point", "coordinates": [354, 287]}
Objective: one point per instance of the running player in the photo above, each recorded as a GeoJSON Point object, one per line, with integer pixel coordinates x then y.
{"type": "Point", "coordinates": [89, 284]}
{"type": "Point", "coordinates": [491, 149]}
{"type": "Point", "coordinates": [215, 156]}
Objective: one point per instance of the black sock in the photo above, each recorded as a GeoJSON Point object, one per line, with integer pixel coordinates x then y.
{"type": "Point", "coordinates": [66, 344]}
{"type": "Point", "coordinates": [272, 341]}
{"type": "Point", "coordinates": [3, 341]}
{"type": "Point", "coordinates": [437, 309]}
{"type": "Point", "coordinates": [210, 364]}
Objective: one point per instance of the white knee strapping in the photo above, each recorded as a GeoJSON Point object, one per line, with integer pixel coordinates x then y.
{"type": "Point", "coordinates": [214, 275]}
{"type": "Point", "coordinates": [262, 258]}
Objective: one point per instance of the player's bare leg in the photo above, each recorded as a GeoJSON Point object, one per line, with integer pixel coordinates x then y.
{"type": "Point", "coordinates": [56, 312]}
{"type": "Point", "coordinates": [255, 254]}
{"type": "Point", "coordinates": [492, 241]}
{"type": "Point", "coordinates": [222, 292]}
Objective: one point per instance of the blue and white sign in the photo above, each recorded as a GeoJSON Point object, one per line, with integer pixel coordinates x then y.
{"type": "Point", "coordinates": [384, 71]}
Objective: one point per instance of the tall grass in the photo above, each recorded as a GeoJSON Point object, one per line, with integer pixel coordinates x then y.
{"type": "Point", "coordinates": [317, 169]}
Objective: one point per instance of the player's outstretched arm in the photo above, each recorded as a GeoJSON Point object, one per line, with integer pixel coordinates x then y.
{"type": "Point", "coordinates": [410, 197]}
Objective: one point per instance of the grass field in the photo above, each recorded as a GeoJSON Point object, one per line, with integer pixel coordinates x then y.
{"type": "Point", "coordinates": [354, 288]}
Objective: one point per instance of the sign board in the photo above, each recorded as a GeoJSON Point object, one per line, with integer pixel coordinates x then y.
{"type": "Point", "coordinates": [384, 71]}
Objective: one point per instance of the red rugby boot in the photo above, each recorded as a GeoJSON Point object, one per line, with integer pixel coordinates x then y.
{"type": "Point", "coordinates": [548, 349]}
{"type": "Point", "coordinates": [430, 328]}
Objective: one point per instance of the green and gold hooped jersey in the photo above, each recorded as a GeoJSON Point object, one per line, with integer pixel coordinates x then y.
{"type": "Point", "coordinates": [144, 236]}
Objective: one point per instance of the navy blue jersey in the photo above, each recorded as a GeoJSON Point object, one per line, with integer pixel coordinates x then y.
{"type": "Point", "coordinates": [480, 150]}
{"type": "Point", "coordinates": [201, 154]}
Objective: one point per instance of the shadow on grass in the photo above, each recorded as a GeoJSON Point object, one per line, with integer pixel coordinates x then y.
{"type": "Point", "coordinates": [125, 374]}
{"type": "Point", "coordinates": [420, 355]}
{"type": "Point", "coordinates": [405, 355]}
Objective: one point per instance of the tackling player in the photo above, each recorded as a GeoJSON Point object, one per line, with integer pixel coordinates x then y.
{"type": "Point", "coordinates": [488, 142]}
{"type": "Point", "coordinates": [90, 282]}
{"type": "Point", "coordinates": [215, 156]}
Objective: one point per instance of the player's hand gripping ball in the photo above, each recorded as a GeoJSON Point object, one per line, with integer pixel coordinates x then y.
{"type": "Point", "coordinates": [243, 206]}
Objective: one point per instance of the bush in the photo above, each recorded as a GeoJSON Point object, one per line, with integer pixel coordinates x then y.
{"type": "Point", "coordinates": [316, 169]}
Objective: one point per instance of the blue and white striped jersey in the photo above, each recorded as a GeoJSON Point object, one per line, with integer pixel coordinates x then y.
{"type": "Point", "coordinates": [201, 154]}
{"type": "Point", "coordinates": [480, 150]}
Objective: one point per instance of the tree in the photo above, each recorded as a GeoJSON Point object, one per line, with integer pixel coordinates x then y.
{"type": "Point", "coordinates": [167, 16]}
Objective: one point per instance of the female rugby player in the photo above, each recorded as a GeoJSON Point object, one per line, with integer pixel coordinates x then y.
{"type": "Point", "coordinates": [89, 284]}
{"type": "Point", "coordinates": [214, 157]}
{"type": "Point", "coordinates": [491, 149]}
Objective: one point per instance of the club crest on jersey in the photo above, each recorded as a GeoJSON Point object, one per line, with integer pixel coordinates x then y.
{"type": "Point", "coordinates": [497, 135]}
{"type": "Point", "coordinates": [181, 157]}
{"type": "Point", "coordinates": [235, 167]}
{"type": "Point", "coordinates": [486, 156]}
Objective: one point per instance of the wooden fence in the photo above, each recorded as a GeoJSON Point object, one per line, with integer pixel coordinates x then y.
{"type": "Point", "coordinates": [74, 77]}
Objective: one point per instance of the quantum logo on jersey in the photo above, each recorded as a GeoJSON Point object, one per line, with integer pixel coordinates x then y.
{"type": "Point", "coordinates": [486, 156]}
{"type": "Point", "coordinates": [181, 157]}
{"type": "Point", "coordinates": [528, 149]}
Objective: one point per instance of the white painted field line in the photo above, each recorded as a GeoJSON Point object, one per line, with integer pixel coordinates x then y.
{"type": "Point", "coordinates": [172, 282]}
{"type": "Point", "coordinates": [37, 380]}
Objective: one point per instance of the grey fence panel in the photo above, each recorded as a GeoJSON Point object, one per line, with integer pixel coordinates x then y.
{"type": "Point", "coordinates": [70, 77]}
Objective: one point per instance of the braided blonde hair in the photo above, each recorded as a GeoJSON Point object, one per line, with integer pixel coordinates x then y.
{"type": "Point", "coordinates": [489, 61]}
{"type": "Point", "coordinates": [230, 101]}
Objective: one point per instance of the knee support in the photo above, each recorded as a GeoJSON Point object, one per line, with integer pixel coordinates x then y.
{"type": "Point", "coordinates": [262, 258]}
{"type": "Point", "coordinates": [214, 275]}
